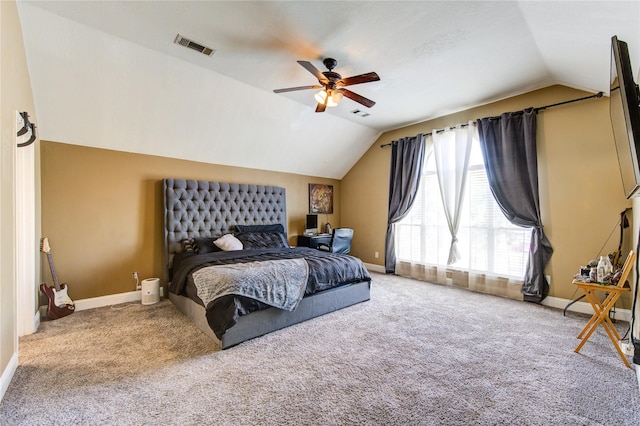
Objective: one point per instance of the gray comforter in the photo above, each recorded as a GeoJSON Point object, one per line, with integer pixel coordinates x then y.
{"type": "Point", "coordinates": [277, 283]}
{"type": "Point", "coordinates": [326, 270]}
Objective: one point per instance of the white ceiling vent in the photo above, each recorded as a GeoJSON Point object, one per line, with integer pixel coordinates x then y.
{"type": "Point", "coordinates": [360, 113]}
{"type": "Point", "coordinates": [183, 41]}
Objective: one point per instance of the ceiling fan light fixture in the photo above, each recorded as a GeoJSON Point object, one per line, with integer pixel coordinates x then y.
{"type": "Point", "coordinates": [321, 96]}
{"type": "Point", "coordinates": [333, 85]}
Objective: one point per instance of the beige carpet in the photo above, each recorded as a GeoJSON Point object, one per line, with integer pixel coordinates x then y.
{"type": "Point", "coordinates": [416, 353]}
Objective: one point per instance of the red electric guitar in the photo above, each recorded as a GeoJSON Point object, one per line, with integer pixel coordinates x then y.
{"type": "Point", "coordinates": [59, 303]}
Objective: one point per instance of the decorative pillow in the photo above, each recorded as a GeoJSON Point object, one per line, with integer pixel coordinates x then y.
{"type": "Point", "coordinates": [259, 240]}
{"type": "Point", "coordinates": [188, 245]}
{"type": "Point", "coordinates": [228, 242]}
{"type": "Point", "coordinates": [204, 245]}
{"type": "Point", "coordinates": [276, 227]}
{"type": "Point", "coordinates": [199, 245]}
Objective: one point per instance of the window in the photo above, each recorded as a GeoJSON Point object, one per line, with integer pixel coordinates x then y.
{"type": "Point", "coordinates": [487, 241]}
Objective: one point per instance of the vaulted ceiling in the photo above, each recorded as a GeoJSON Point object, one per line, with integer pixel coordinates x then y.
{"type": "Point", "coordinates": [108, 73]}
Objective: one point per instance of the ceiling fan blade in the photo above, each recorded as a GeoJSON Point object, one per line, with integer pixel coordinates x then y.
{"type": "Point", "coordinates": [292, 89]}
{"type": "Point", "coordinates": [315, 71]}
{"type": "Point", "coordinates": [358, 98]}
{"type": "Point", "coordinates": [321, 107]}
{"type": "Point", "coordinates": [357, 79]}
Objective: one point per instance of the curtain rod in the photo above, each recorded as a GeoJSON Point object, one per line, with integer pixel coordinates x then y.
{"type": "Point", "coordinates": [542, 108]}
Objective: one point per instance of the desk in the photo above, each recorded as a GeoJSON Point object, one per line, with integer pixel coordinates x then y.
{"type": "Point", "coordinates": [312, 241]}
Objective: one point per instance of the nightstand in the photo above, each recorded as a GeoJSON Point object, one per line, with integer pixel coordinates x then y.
{"type": "Point", "coordinates": [313, 241]}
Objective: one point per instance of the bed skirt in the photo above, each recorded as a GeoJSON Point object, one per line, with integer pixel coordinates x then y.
{"type": "Point", "coordinates": [259, 323]}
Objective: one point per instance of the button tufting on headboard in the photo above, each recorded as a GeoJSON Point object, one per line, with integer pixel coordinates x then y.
{"type": "Point", "coordinates": [195, 208]}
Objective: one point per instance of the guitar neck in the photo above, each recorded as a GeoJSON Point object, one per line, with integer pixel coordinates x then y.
{"type": "Point", "coordinates": [53, 272]}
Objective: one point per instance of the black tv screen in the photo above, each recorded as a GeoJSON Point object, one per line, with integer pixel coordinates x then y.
{"type": "Point", "coordinates": [625, 116]}
{"type": "Point", "coordinates": [312, 223]}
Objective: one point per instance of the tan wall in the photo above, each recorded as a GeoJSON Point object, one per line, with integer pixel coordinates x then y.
{"type": "Point", "coordinates": [581, 191]}
{"type": "Point", "coordinates": [101, 208]}
{"type": "Point", "coordinates": [15, 94]}
{"type": "Point", "coordinates": [102, 211]}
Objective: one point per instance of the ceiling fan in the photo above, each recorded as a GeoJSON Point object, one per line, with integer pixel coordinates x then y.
{"type": "Point", "coordinates": [333, 84]}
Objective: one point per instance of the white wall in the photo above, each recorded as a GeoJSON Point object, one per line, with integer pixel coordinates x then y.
{"type": "Point", "coordinates": [94, 89]}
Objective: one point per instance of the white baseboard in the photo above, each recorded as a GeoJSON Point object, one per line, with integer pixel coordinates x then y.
{"type": "Point", "coordinates": [583, 307]}
{"type": "Point", "coordinates": [36, 321]}
{"type": "Point", "coordinates": [374, 268]}
{"type": "Point", "coordinates": [7, 374]}
{"type": "Point", "coordinates": [112, 299]}
{"type": "Point", "coordinates": [101, 301]}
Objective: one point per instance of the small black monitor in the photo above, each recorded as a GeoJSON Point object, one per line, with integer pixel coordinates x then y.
{"type": "Point", "coordinates": [311, 226]}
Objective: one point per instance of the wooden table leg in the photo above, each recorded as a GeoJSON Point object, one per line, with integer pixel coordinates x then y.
{"type": "Point", "coordinates": [601, 316]}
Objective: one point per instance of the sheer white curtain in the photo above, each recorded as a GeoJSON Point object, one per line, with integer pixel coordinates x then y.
{"type": "Point", "coordinates": [451, 149]}
{"type": "Point", "coordinates": [492, 252]}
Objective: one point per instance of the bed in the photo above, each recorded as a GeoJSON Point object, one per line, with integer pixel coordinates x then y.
{"type": "Point", "coordinates": [235, 295]}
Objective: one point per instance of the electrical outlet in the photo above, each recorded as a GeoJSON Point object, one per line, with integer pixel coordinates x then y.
{"type": "Point", "coordinates": [548, 277]}
{"type": "Point", "coordinates": [135, 277]}
{"type": "Point", "coordinates": [626, 348]}
{"type": "Point", "coordinates": [376, 255]}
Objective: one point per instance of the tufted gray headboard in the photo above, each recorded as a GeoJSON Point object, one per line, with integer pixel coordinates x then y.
{"type": "Point", "coordinates": [196, 208]}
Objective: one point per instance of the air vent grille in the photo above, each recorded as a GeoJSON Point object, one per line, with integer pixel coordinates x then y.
{"type": "Point", "coordinates": [360, 113]}
{"type": "Point", "coordinates": [183, 41]}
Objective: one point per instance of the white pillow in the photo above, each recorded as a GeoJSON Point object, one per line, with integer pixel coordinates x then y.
{"type": "Point", "coordinates": [228, 242]}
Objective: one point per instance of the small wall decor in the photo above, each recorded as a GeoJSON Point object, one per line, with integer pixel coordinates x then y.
{"type": "Point", "coordinates": [320, 198]}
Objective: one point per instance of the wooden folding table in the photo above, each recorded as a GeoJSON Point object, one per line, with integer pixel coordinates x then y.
{"type": "Point", "coordinates": [601, 308]}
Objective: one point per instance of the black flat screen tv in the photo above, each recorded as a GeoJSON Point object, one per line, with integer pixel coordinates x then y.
{"type": "Point", "coordinates": [624, 110]}
{"type": "Point", "coordinates": [311, 225]}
